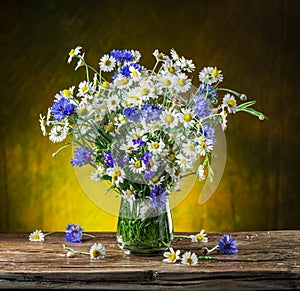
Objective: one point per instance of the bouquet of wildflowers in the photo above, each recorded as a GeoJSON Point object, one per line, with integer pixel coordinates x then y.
{"type": "Point", "coordinates": [141, 129]}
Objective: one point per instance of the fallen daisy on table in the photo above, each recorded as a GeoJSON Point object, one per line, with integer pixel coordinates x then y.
{"type": "Point", "coordinates": [38, 235]}
{"type": "Point", "coordinates": [171, 256]}
{"type": "Point", "coordinates": [97, 251]}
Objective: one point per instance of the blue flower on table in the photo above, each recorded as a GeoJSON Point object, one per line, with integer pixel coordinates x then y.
{"type": "Point", "coordinates": [227, 245]}
{"type": "Point", "coordinates": [73, 233]}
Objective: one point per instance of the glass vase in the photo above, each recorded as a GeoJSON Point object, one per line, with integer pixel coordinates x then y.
{"type": "Point", "coordinates": [144, 229]}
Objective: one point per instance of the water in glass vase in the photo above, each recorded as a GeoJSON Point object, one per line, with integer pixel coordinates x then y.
{"type": "Point", "coordinates": [144, 228]}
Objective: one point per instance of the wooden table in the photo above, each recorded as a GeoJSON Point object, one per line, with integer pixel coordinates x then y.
{"type": "Point", "coordinates": [267, 260]}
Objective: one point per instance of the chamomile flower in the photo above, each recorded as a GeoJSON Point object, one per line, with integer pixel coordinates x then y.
{"type": "Point", "coordinates": [189, 258]}
{"type": "Point", "coordinates": [199, 237]}
{"type": "Point", "coordinates": [117, 175]}
{"type": "Point", "coordinates": [186, 117]}
{"type": "Point", "coordinates": [182, 83]}
{"type": "Point", "coordinates": [112, 103]}
{"type": "Point", "coordinates": [37, 235]}
{"type": "Point", "coordinates": [210, 75]}
{"type": "Point", "coordinates": [80, 62]}
{"type": "Point", "coordinates": [83, 89]}
{"type": "Point", "coordinates": [200, 172]}
{"type": "Point", "coordinates": [158, 55]}
{"type": "Point", "coordinates": [97, 175]}
{"type": "Point", "coordinates": [107, 63]}
{"type": "Point", "coordinates": [169, 118]}
{"type": "Point", "coordinates": [171, 256]}
{"type": "Point", "coordinates": [97, 251]}
{"type": "Point", "coordinates": [73, 53]}
{"type": "Point", "coordinates": [58, 133]}
{"type": "Point", "coordinates": [174, 55]}
{"type": "Point", "coordinates": [229, 103]}
{"type": "Point", "coordinates": [137, 166]}
{"type": "Point", "coordinates": [183, 162]}
{"type": "Point", "coordinates": [190, 148]}
{"type": "Point", "coordinates": [156, 147]}
{"type": "Point", "coordinates": [185, 64]}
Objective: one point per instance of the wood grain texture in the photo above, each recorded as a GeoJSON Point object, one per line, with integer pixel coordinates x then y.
{"type": "Point", "coordinates": [265, 261]}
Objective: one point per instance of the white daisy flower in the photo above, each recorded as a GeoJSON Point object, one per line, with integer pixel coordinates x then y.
{"type": "Point", "coordinates": [169, 118]}
{"type": "Point", "coordinates": [136, 55]}
{"type": "Point", "coordinates": [189, 258]}
{"type": "Point", "coordinates": [229, 102]}
{"type": "Point", "coordinates": [190, 149]}
{"type": "Point", "coordinates": [200, 173]}
{"type": "Point", "coordinates": [122, 82]}
{"type": "Point", "coordinates": [80, 62]}
{"type": "Point", "coordinates": [68, 93]}
{"type": "Point", "coordinates": [73, 53]}
{"type": "Point", "coordinates": [37, 235]}
{"type": "Point", "coordinates": [113, 103]}
{"type": "Point", "coordinates": [84, 89]}
{"type": "Point", "coordinates": [159, 55]}
{"type": "Point", "coordinates": [43, 124]}
{"type": "Point", "coordinates": [98, 173]}
{"type": "Point", "coordinates": [210, 75]}
{"type": "Point", "coordinates": [97, 251]}
{"type": "Point", "coordinates": [156, 147]}
{"type": "Point", "coordinates": [58, 133]}
{"type": "Point", "coordinates": [137, 166]}
{"type": "Point", "coordinates": [183, 162]}
{"type": "Point", "coordinates": [186, 117]}
{"type": "Point", "coordinates": [107, 63]}
{"type": "Point", "coordinates": [186, 65]}
{"type": "Point", "coordinates": [199, 237]}
{"type": "Point", "coordinates": [171, 256]}
{"type": "Point", "coordinates": [174, 55]}
{"type": "Point", "coordinates": [167, 81]}
{"type": "Point", "coordinates": [117, 175]}
{"type": "Point", "coordinates": [183, 83]}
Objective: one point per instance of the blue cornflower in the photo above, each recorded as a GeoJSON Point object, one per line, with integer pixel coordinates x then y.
{"type": "Point", "coordinates": [108, 159]}
{"type": "Point", "coordinates": [201, 106]}
{"type": "Point", "coordinates": [133, 114]}
{"type": "Point", "coordinates": [208, 90]}
{"type": "Point", "coordinates": [124, 160]}
{"type": "Point", "coordinates": [138, 141]}
{"type": "Point", "coordinates": [62, 108]}
{"type": "Point", "coordinates": [227, 245]}
{"type": "Point", "coordinates": [146, 157]}
{"type": "Point", "coordinates": [125, 72]}
{"type": "Point", "coordinates": [81, 157]}
{"type": "Point", "coordinates": [73, 233]}
{"type": "Point", "coordinates": [158, 197]}
{"type": "Point", "coordinates": [208, 132]}
{"type": "Point", "coordinates": [122, 55]}
{"type": "Point", "coordinates": [151, 112]}
{"type": "Point", "coordinates": [148, 174]}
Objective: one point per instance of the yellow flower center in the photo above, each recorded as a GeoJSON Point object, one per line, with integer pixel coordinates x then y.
{"type": "Point", "coordinates": [144, 91]}
{"type": "Point", "coordinates": [110, 128]}
{"type": "Point", "coordinates": [105, 84]}
{"type": "Point", "coordinates": [169, 118]}
{"type": "Point", "coordinates": [137, 164]}
{"type": "Point", "coordinates": [155, 145]}
{"type": "Point", "coordinates": [36, 237]}
{"type": "Point", "coordinates": [159, 56]}
{"type": "Point", "coordinates": [187, 117]}
{"type": "Point", "coordinates": [167, 82]}
{"type": "Point", "coordinates": [71, 53]}
{"type": "Point", "coordinates": [231, 103]}
{"type": "Point", "coordinates": [172, 257]}
{"type": "Point", "coordinates": [83, 111]}
{"type": "Point", "coordinates": [117, 173]}
{"type": "Point", "coordinates": [84, 89]}
{"type": "Point", "coordinates": [107, 63]}
{"type": "Point", "coordinates": [124, 81]}
{"type": "Point", "coordinates": [191, 147]}
{"type": "Point", "coordinates": [67, 93]}
{"type": "Point", "coordinates": [181, 82]}
{"type": "Point", "coordinates": [189, 261]}
{"type": "Point", "coordinates": [215, 73]}
{"type": "Point", "coordinates": [96, 253]}
{"type": "Point", "coordinates": [200, 237]}
{"type": "Point", "coordinates": [171, 69]}
{"type": "Point", "coordinates": [155, 179]}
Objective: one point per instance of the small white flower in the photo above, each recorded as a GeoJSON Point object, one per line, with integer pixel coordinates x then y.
{"type": "Point", "coordinates": [229, 102]}
{"type": "Point", "coordinates": [43, 125]}
{"type": "Point", "coordinates": [169, 118]}
{"type": "Point", "coordinates": [58, 133]}
{"type": "Point", "coordinates": [97, 251]}
{"type": "Point", "coordinates": [80, 63]}
{"type": "Point", "coordinates": [37, 235]}
{"type": "Point", "coordinates": [117, 175]}
{"type": "Point", "coordinates": [183, 83]}
{"type": "Point", "coordinates": [73, 53]}
{"type": "Point", "coordinates": [113, 103]}
{"type": "Point", "coordinates": [175, 56]}
{"type": "Point", "coordinates": [186, 65]}
{"type": "Point", "coordinates": [171, 256]}
{"type": "Point", "coordinates": [107, 63]}
{"type": "Point", "coordinates": [199, 237]}
{"type": "Point", "coordinates": [98, 173]}
{"type": "Point", "coordinates": [210, 75]}
{"type": "Point", "coordinates": [200, 173]}
{"type": "Point", "coordinates": [189, 258]}
{"type": "Point", "coordinates": [158, 55]}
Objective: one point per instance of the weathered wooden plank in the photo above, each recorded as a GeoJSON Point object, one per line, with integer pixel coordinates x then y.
{"type": "Point", "coordinates": [266, 260]}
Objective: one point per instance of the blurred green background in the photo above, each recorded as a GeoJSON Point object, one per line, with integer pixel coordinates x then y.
{"type": "Point", "coordinates": [254, 43]}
